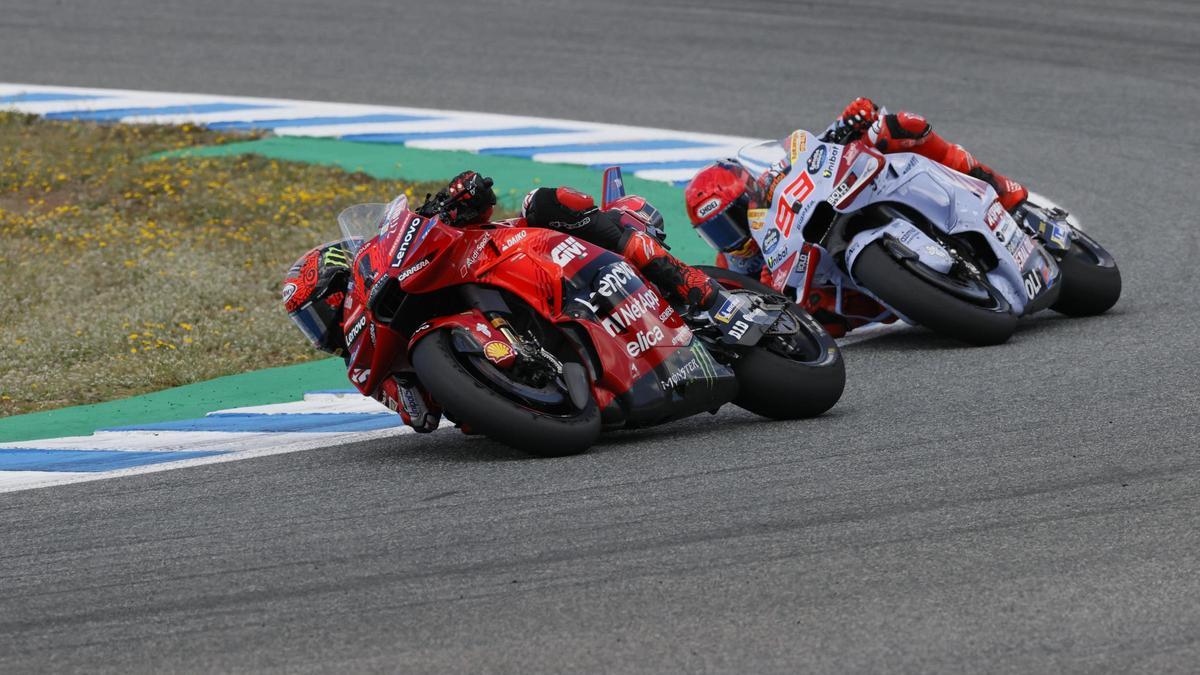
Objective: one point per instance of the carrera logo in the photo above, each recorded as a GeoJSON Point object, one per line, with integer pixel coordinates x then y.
{"type": "Point", "coordinates": [566, 251]}
{"type": "Point", "coordinates": [413, 270]}
{"type": "Point", "coordinates": [708, 208]}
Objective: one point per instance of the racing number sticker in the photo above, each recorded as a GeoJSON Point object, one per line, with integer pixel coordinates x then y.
{"type": "Point", "coordinates": [798, 190]}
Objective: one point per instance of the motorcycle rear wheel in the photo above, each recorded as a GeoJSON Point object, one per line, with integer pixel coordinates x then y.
{"type": "Point", "coordinates": [481, 402]}
{"type": "Point", "coordinates": [930, 306]}
{"type": "Point", "coordinates": [786, 384]}
{"type": "Point", "coordinates": [1091, 281]}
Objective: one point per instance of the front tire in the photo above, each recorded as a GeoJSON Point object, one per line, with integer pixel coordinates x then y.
{"type": "Point", "coordinates": [928, 305]}
{"type": "Point", "coordinates": [801, 384]}
{"type": "Point", "coordinates": [474, 400]}
{"type": "Point", "coordinates": [1091, 282]}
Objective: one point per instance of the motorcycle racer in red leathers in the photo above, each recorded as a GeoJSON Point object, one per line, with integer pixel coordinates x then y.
{"type": "Point", "coordinates": [314, 291]}
{"type": "Point", "coordinates": [724, 198]}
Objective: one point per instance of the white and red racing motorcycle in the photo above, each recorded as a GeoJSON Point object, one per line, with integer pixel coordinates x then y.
{"type": "Point", "coordinates": [932, 245]}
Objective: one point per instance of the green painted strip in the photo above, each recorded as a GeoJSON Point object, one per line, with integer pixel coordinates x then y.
{"type": "Point", "coordinates": [514, 177]}
{"type": "Point", "coordinates": [260, 387]}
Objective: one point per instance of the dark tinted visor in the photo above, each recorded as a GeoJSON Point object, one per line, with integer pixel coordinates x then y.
{"type": "Point", "coordinates": [315, 320]}
{"type": "Point", "coordinates": [727, 230]}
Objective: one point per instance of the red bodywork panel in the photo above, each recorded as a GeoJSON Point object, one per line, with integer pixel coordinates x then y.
{"type": "Point", "coordinates": [632, 329]}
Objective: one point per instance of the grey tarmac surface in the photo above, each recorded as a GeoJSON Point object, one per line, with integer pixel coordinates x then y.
{"type": "Point", "coordinates": [1031, 507]}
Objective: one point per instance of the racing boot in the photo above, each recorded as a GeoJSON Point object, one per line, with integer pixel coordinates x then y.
{"type": "Point", "coordinates": [681, 282]}
{"type": "Point", "coordinates": [416, 408]}
{"type": "Point", "coordinates": [906, 132]}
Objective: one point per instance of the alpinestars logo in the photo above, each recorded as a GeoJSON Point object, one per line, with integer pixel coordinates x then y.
{"type": "Point", "coordinates": [566, 251]}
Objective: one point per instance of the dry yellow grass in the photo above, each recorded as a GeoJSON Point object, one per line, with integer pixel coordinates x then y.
{"type": "Point", "coordinates": [124, 275]}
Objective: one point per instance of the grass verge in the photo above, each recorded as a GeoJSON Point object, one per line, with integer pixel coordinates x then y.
{"type": "Point", "coordinates": [126, 275]}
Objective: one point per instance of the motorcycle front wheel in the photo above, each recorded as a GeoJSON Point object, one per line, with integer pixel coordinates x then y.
{"type": "Point", "coordinates": [788, 375]}
{"type": "Point", "coordinates": [960, 309]}
{"type": "Point", "coordinates": [537, 418]}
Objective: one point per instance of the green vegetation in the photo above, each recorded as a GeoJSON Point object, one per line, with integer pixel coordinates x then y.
{"type": "Point", "coordinates": [125, 275]}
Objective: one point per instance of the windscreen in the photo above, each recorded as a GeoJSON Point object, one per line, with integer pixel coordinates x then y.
{"type": "Point", "coordinates": [362, 222]}
{"type": "Point", "coordinates": [759, 157]}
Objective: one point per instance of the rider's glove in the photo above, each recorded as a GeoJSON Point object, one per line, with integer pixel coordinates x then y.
{"type": "Point", "coordinates": [468, 199]}
{"type": "Point", "coordinates": [860, 114]}
{"type": "Point", "coordinates": [558, 208]}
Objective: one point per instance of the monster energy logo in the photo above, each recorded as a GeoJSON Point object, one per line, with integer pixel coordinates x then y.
{"type": "Point", "coordinates": [707, 367]}
{"type": "Point", "coordinates": [336, 257]}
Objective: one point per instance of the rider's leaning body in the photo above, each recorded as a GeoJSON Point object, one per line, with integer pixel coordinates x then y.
{"type": "Point", "coordinates": [722, 197]}
{"type": "Point", "coordinates": [315, 292]}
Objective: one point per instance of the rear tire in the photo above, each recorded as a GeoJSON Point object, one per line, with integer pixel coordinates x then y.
{"type": "Point", "coordinates": [779, 387]}
{"type": "Point", "coordinates": [1091, 282]}
{"type": "Point", "coordinates": [472, 402]}
{"type": "Point", "coordinates": [928, 305]}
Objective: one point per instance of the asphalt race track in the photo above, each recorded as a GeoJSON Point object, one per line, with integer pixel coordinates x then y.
{"type": "Point", "coordinates": [1033, 507]}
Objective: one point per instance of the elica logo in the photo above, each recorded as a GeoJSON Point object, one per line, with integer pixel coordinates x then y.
{"type": "Point", "coordinates": [566, 251]}
{"type": "Point", "coordinates": [615, 279]}
{"type": "Point", "coordinates": [708, 208]}
{"type": "Point", "coordinates": [406, 241]}
{"type": "Point", "coordinates": [644, 340]}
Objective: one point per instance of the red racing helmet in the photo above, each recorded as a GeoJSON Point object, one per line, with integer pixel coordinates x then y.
{"type": "Point", "coordinates": [717, 199]}
{"type": "Point", "coordinates": [314, 291]}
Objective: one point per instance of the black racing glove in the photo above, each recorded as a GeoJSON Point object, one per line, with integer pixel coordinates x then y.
{"type": "Point", "coordinates": [468, 199]}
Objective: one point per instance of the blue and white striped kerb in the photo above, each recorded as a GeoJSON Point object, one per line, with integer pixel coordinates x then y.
{"type": "Point", "coordinates": [322, 419]}
{"type": "Point", "coordinates": [653, 154]}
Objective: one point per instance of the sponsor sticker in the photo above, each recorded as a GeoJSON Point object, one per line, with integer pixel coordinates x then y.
{"type": "Point", "coordinates": [757, 218]}
{"type": "Point", "coordinates": [514, 240]}
{"type": "Point", "coordinates": [413, 270]}
{"type": "Point", "coordinates": [567, 250]}
{"type": "Point", "coordinates": [817, 158]}
{"type": "Point", "coordinates": [1033, 283]}
{"type": "Point", "coordinates": [616, 279]}
{"type": "Point", "coordinates": [497, 352]}
{"type": "Point", "coordinates": [289, 289]}
{"type": "Point", "coordinates": [708, 208]}
{"type": "Point", "coordinates": [356, 329]}
{"type": "Point", "coordinates": [726, 312]}
{"type": "Point", "coordinates": [405, 242]}
{"type": "Point", "coordinates": [644, 340]}
{"type": "Point", "coordinates": [771, 241]}
{"type": "Point", "coordinates": [799, 142]}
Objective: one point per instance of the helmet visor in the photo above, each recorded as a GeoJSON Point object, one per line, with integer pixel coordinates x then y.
{"type": "Point", "coordinates": [315, 320]}
{"type": "Point", "coordinates": [727, 231]}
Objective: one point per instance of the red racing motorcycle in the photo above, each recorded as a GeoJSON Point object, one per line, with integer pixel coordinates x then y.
{"type": "Point", "coordinates": [540, 340]}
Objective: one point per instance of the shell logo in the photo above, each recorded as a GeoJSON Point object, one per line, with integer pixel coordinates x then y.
{"type": "Point", "coordinates": [497, 351]}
